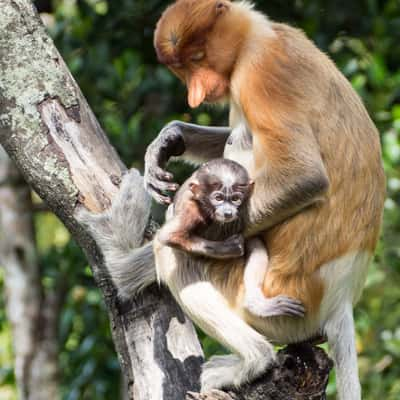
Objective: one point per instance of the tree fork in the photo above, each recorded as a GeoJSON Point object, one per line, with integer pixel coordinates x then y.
{"type": "Point", "coordinates": [48, 129]}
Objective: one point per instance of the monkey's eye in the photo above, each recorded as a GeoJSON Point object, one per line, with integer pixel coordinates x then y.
{"type": "Point", "coordinates": [236, 199]}
{"type": "Point", "coordinates": [219, 197]}
{"type": "Point", "coordinates": [197, 56]}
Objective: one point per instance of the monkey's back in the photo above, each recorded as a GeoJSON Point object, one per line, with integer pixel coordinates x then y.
{"type": "Point", "coordinates": [296, 89]}
{"type": "Point", "coordinates": [347, 221]}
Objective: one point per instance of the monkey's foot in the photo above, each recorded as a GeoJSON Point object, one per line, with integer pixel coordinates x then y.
{"type": "Point", "coordinates": [220, 372]}
{"type": "Point", "coordinates": [277, 306]}
{"type": "Point", "coordinates": [232, 371]}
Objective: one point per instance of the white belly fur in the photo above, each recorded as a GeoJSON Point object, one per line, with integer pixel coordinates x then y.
{"type": "Point", "coordinates": [241, 156]}
{"type": "Point", "coordinates": [239, 147]}
{"type": "Point", "coordinates": [344, 279]}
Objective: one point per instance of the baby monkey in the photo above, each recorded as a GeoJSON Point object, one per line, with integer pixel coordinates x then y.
{"type": "Point", "coordinates": [206, 219]}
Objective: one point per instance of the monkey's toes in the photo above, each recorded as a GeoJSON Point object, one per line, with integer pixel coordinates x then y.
{"type": "Point", "coordinates": [211, 395]}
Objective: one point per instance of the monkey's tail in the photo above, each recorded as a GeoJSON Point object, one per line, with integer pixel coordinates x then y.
{"type": "Point", "coordinates": [119, 231]}
{"type": "Point", "coordinates": [132, 271]}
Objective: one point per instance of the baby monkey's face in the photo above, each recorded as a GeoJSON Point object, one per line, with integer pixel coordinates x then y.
{"type": "Point", "coordinates": [226, 203]}
{"type": "Point", "coordinates": [221, 187]}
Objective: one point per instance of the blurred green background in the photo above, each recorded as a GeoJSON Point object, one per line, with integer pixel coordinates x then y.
{"type": "Point", "coordinates": [108, 47]}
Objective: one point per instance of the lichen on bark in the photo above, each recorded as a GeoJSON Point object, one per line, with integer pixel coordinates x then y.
{"type": "Point", "coordinates": [31, 71]}
{"type": "Point", "coordinates": [34, 75]}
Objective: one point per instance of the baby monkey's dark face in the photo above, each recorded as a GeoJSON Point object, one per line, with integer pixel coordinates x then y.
{"type": "Point", "coordinates": [221, 188]}
{"type": "Point", "coordinates": [226, 203]}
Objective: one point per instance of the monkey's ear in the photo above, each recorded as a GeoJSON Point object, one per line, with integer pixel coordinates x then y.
{"type": "Point", "coordinates": [221, 7]}
{"type": "Point", "coordinates": [251, 185]}
{"type": "Point", "coordinates": [194, 187]}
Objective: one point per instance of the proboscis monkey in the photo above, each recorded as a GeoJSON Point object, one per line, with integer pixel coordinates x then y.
{"type": "Point", "coordinates": [306, 140]}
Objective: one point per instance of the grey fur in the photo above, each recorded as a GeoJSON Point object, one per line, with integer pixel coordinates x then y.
{"type": "Point", "coordinates": [119, 233]}
{"type": "Point", "coordinates": [192, 143]}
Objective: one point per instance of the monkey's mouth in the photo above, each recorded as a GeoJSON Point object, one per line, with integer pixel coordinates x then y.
{"type": "Point", "coordinates": [225, 220]}
{"type": "Point", "coordinates": [216, 96]}
{"type": "Point", "coordinates": [218, 93]}
{"type": "Point", "coordinates": [217, 99]}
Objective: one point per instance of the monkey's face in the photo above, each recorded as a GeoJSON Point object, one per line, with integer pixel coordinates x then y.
{"type": "Point", "coordinates": [204, 75]}
{"type": "Point", "coordinates": [205, 84]}
{"type": "Point", "coordinates": [221, 187]}
{"type": "Point", "coordinates": [226, 205]}
{"type": "Point", "coordinates": [199, 43]}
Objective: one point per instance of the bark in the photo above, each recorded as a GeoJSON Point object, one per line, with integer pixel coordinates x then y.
{"type": "Point", "coordinates": [33, 314]}
{"type": "Point", "coordinates": [301, 373]}
{"type": "Point", "coordinates": [50, 132]}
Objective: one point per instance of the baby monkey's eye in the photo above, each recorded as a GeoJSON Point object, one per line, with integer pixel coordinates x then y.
{"type": "Point", "coordinates": [236, 199]}
{"type": "Point", "coordinates": [219, 197]}
{"type": "Point", "coordinates": [197, 56]}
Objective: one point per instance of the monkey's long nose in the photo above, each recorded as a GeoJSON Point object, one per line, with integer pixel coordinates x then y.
{"type": "Point", "coordinates": [196, 91]}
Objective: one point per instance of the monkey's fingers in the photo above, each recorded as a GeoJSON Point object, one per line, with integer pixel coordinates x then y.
{"type": "Point", "coordinates": [157, 181]}
{"type": "Point", "coordinates": [158, 196]}
{"type": "Point", "coordinates": [160, 178]}
{"type": "Point", "coordinates": [212, 394]}
{"type": "Point", "coordinates": [276, 307]}
{"type": "Point", "coordinates": [162, 174]}
{"type": "Point", "coordinates": [164, 186]}
{"type": "Point", "coordinates": [293, 312]}
{"type": "Point", "coordinates": [289, 306]}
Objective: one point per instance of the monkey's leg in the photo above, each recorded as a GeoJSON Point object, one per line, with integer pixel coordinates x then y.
{"type": "Point", "coordinates": [255, 301]}
{"type": "Point", "coordinates": [341, 338]}
{"type": "Point", "coordinates": [253, 353]}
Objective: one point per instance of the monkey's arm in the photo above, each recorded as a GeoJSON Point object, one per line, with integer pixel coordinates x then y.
{"type": "Point", "coordinates": [290, 176]}
{"type": "Point", "coordinates": [190, 142]}
{"type": "Point", "coordinates": [178, 232]}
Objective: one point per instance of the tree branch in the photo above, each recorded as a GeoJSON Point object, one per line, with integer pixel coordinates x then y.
{"type": "Point", "coordinates": [301, 373]}
{"type": "Point", "coordinates": [51, 134]}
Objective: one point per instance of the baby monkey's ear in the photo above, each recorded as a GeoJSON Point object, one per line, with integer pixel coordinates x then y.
{"type": "Point", "coordinates": [194, 187]}
{"type": "Point", "coordinates": [251, 186]}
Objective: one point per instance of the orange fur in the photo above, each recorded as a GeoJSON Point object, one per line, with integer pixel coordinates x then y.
{"type": "Point", "coordinates": [329, 115]}
{"type": "Point", "coordinates": [298, 106]}
{"type": "Point", "coordinates": [183, 30]}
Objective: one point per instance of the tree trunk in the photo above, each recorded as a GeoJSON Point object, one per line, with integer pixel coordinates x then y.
{"type": "Point", "coordinates": [50, 132]}
{"type": "Point", "coordinates": [33, 314]}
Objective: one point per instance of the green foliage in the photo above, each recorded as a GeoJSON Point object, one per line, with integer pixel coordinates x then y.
{"type": "Point", "coordinates": [89, 366]}
{"type": "Point", "coordinates": [108, 47]}
{"type": "Point", "coordinates": [7, 381]}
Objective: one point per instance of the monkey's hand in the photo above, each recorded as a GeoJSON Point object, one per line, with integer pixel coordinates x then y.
{"type": "Point", "coordinates": [157, 180]}
{"type": "Point", "coordinates": [229, 248]}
